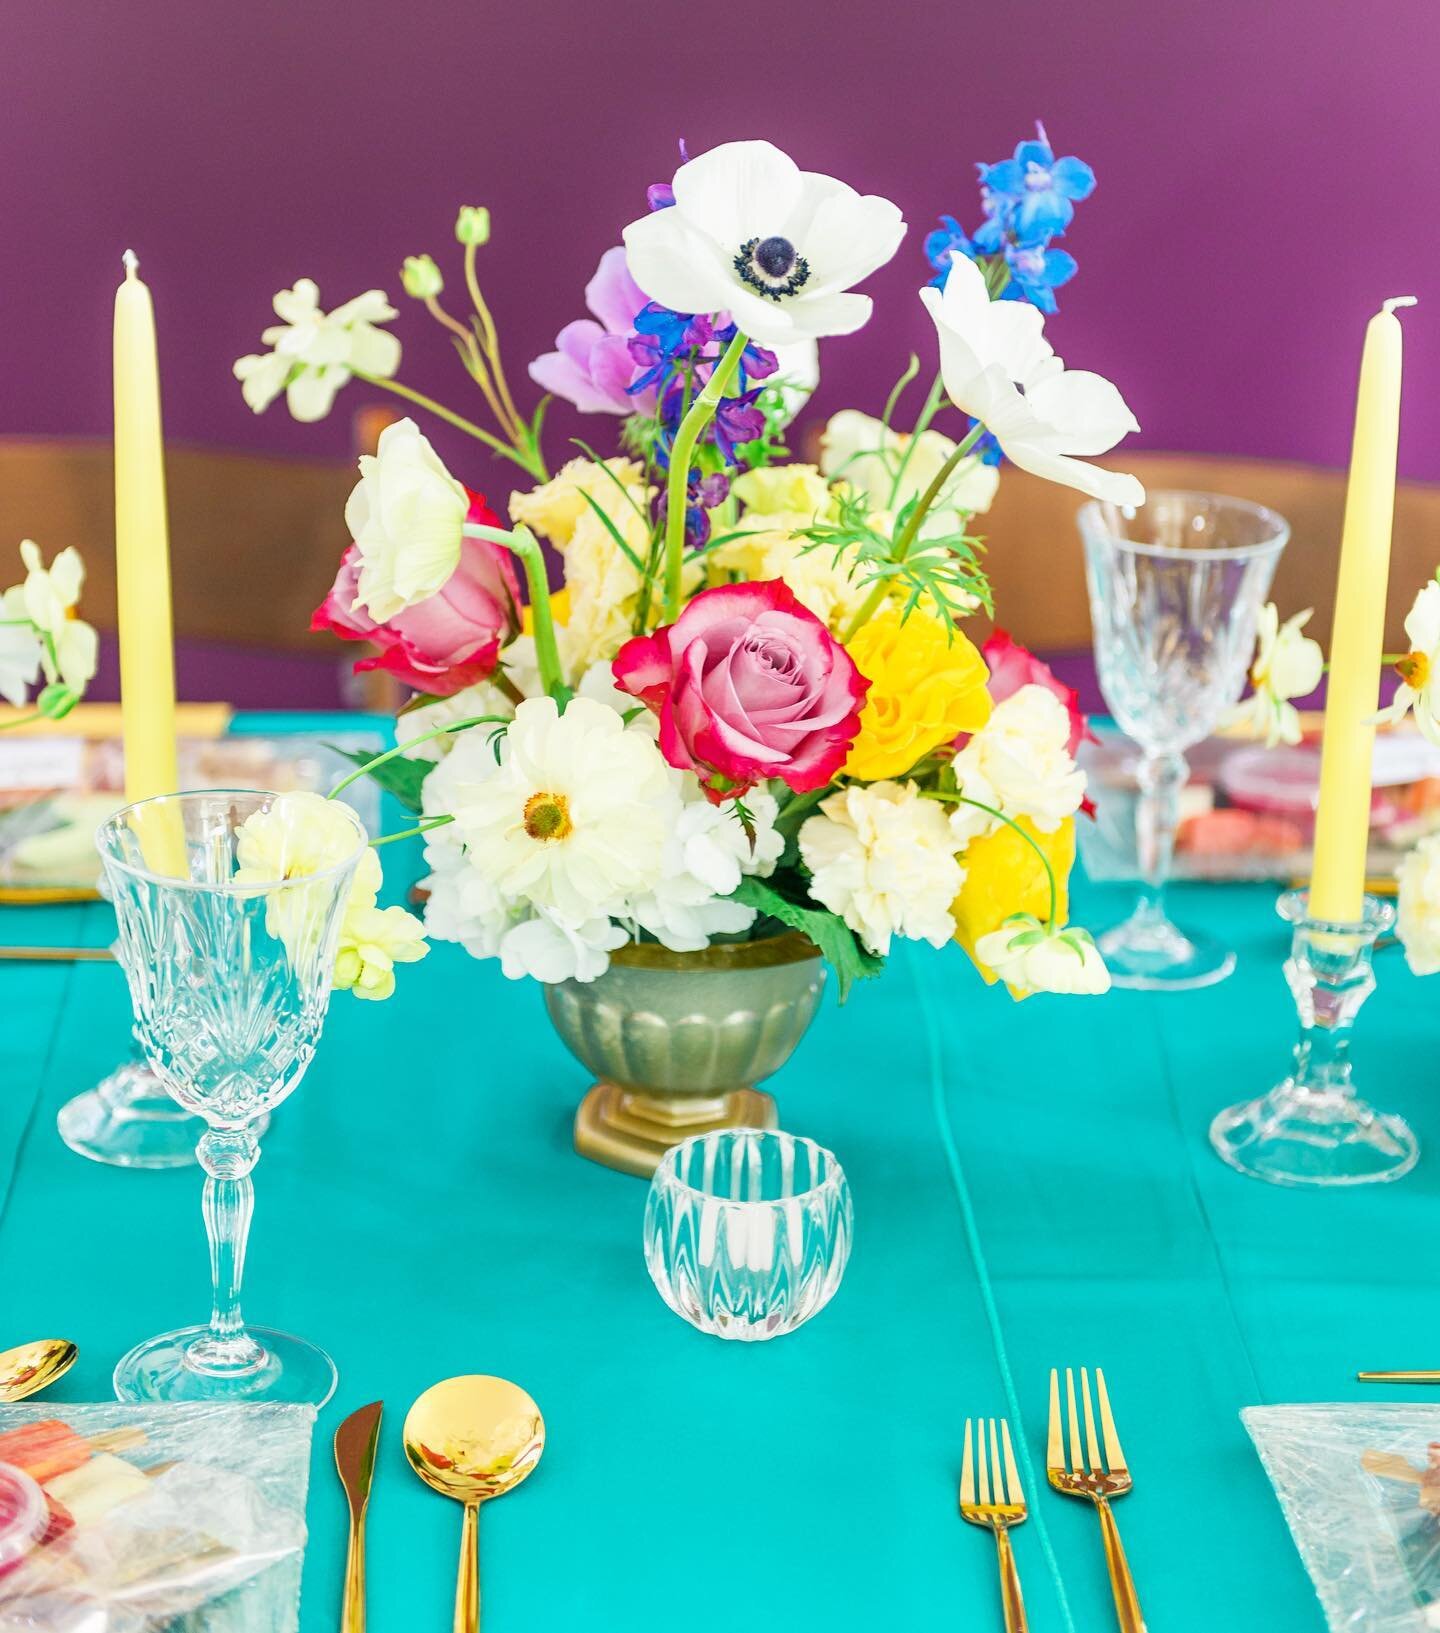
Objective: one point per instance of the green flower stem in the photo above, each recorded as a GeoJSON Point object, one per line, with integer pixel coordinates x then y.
{"type": "Point", "coordinates": [492, 342]}
{"type": "Point", "coordinates": [409, 833]}
{"type": "Point", "coordinates": [547, 653]}
{"type": "Point", "coordinates": [872, 602]}
{"type": "Point", "coordinates": [494, 444]}
{"type": "Point", "coordinates": [1030, 840]}
{"type": "Point", "coordinates": [21, 720]}
{"type": "Point", "coordinates": [415, 742]}
{"type": "Point", "coordinates": [700, 413]}
{"type": "Point", "coordinates": [933, 398]}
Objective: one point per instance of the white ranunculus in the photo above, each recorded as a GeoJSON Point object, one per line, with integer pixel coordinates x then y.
{"type": "Point", "coordinates": [1287, 664]}
{"type": "Point", "coordinates": [1419, 688]}
{"type": "Point", "coordinates": [483, 698]}
{"type": "Point", "coordinates": [1019, 763]}
{"type": "Point", "coordinates": [1030, 958]}
{"type": "Point", "coordinates": [882, 857]}
{"type": "Point", "coordinates": [550, 949]}
{"type": "Point", "coordinates": [48, 598]}
{"type": "Point", "coordinates": [574, 818]}
{"type": "Point", "coordinates": [777, 247]}
{"type": "Point", "coordinates": [990, 350]}
{"type": "Point", "coordinates": [314, 353]}
{"type": "Point", "coordinates": [407, 517]}
{"type": "Point", "coordinates": [863, 451]}
{"type": "Point", "coordinates": [1418, 920]}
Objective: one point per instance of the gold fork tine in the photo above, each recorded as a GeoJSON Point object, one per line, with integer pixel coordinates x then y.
{"type": "Point", "coordinates": [1092, 1449]}
{"type": "Point", "coordinates": [997, 1473]}
{"type": "Point", "coordinates": [967, 1471]}
{"type": "Point", "coordinates": [1055, 1444]}
{"type": "Point", "coordinates": [1072, 1417]}
{"type": "Point", "coordinates": [984, 1472]}
{"type": "Point", "coordinates": [1114, 1455]}
{"type": "Point", "coordinates": [1012, 1474]}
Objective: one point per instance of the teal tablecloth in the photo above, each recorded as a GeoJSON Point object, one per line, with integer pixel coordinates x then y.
{"type": "Point", "coordinates": [1032, 1186]}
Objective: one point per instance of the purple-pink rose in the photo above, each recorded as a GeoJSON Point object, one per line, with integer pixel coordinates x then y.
{"type": "Point", "coordinates": [592, 366]}
{"type": "Point", "coordinates": [747, 684]}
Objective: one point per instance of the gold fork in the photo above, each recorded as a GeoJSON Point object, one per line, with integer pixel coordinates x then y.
{"type": "Point", "coordinates": [1006, 1509]}
{"type": "Point", "coordinates": [1087, 1476]}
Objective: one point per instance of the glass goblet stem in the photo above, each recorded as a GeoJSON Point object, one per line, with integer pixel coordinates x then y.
{"type": "Point", "coordinates": [227, 1156]}
{"type": "Point", "coordinates": [1157, 814]}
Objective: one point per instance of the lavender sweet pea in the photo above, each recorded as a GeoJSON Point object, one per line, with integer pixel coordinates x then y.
{"type": "Point", "coordinates": [592, 365]}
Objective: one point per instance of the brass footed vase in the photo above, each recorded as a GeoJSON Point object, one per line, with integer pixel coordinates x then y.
{"type": "Point", "coordinates": [678, 1041]}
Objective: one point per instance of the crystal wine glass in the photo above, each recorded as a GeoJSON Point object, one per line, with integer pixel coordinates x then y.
{"type": "Point", "coordinates": [1176, 588]}
{"type": "Point", "coordinates": [230, 981]}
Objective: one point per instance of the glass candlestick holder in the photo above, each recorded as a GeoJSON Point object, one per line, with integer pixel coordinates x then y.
{"type": "Point", "coordinates": [1311, 1128]}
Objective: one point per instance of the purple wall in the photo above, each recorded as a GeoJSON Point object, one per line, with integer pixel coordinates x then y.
{"type": "Point", "coordinates": [1267, 175]}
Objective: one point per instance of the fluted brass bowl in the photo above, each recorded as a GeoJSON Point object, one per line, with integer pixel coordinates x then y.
{"type": "Point", "coordinates": [678, 1041]}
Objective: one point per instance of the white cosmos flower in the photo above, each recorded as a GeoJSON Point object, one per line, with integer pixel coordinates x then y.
{"type": "Point", "coordinates": [1287, 664]}
{"type": "Point", "coordinates": [48, 598]}
{"type": "Point", "coordinates": [1019, 763]}
{"type": "Point", "coordinates": [1418, 920]}
{"type": "Point", "coordinates": [989, 350]}
{"type": "Point", "coordinates": [574, 818]}
{"type": "Point", "coordinates": [777, 247]}
{"type": "Point", "coordinates": [1419, 687]}
{"type": "Point", "coordinates": [315, 353]}
{"type": "Point", "coordinates": [1030, 958]}
{"type": "Point", "coordinates": [882, 857]}
{"type": "Point", "coordinates": [863, 451]}
{"type": "Point", "coordinates": [406, 516]}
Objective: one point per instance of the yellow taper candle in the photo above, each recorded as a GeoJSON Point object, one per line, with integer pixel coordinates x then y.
{"type": "Point", "coordinates": [1342, 818]}
{"type": "Point", "coordinates": [142, 549]}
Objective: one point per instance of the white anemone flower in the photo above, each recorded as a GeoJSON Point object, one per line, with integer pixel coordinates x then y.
{"type": "Point", "coordinates": [999, 368]}
{"type": "Point", "coordinates": [1030, 958]}
{"type": "Point", "coordinates": [315, 353]}
{"type": "Point", "coordinates": [1287, 664]}
{"type": "Point", "coordinates": [777, 247]}
{"type": "Point", "coordinates": [1419, 669]}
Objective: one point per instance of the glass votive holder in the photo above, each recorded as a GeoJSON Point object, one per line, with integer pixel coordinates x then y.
{"type": "Point", "coordinates": [747, 1233]}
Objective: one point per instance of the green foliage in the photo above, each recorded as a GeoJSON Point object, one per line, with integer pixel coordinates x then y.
{"type": "Point", "coordinates": [402, 779]}
{"type": "Point", "coordinates": [834, 938]}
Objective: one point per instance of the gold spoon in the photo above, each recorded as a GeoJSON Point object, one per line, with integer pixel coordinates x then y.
{"type": "Point", "coordinates": [29, 1368]}
{"type": "Point", "coordinates": [473, 1439]}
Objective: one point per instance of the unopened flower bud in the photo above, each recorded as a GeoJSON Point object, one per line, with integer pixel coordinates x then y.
{"type": "Point", "coordinates": [57, 700]}
{"type": "Point", "coordinates": [421, 277]}
{"type": "Point", "coordinates": [472, 225]}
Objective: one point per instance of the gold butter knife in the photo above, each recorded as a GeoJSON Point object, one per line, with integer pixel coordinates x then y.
{"type": "Point", "coordinates": [1424, 1376]}
{"type": "Point", "coordinates": [355, 1442]}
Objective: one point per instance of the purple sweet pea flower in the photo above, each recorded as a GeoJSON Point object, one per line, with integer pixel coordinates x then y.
{"type": "Point", "coordinates": [592, 366]}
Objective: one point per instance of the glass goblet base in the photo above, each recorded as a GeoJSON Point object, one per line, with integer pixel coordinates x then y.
{"type": "Point", "coordinates": [129, 1121]}
{"type": "Point", "coordinates": [1294, 1137]}
{"type": "Point", "coordinates": [1149, 953]}
{"type": "Point", "coordinates": [175, 1367]}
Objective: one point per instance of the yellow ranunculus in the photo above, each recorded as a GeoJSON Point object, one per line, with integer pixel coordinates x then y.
{"type": "Point", "coordinates": [778, 488]}
{"type": "Point", "coordinates": [1003, 875]}
{"type": "Point", "coordinates": [553, 508]}
{"type": "Point", "coordinates": [927, 684]}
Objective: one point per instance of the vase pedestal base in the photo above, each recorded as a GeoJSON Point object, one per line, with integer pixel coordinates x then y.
{"type": "Point", "coordinates": [632, 1132]}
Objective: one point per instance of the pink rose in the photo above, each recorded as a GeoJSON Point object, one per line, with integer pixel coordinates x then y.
{"type": "Point", "coordinates": [1012, 666]}
{"type": "Point", "coordinates": [451, 639]}
{"type": "Point", "coordinates": [748, 684]}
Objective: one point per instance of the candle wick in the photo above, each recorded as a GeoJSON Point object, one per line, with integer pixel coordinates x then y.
{"type": "Point", "coordinates": [132, 263]}
{"type": "Point", "coordinates": [1399, 300]}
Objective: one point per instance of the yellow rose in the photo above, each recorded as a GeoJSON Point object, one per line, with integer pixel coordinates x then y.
{"type": "Point", "coordinates": [1003, 875]}
{"type": "Point", "coordinates": [777, 488]}
{"type": "Point", "coordinates": [927, 684]}
{"type": "Point", "coordinates": [553, 508]}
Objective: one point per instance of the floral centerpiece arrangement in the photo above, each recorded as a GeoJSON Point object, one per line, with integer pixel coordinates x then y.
{"type": "Point", "coordinates": [752, 703]}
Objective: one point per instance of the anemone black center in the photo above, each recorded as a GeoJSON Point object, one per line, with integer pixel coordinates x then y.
{"type": "Point", "coordinates": [773, 266]}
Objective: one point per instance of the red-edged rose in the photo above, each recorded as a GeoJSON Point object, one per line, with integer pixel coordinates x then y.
{"type": "Point", "coordinates": [748, 684]}
{"type": "Point", "coordinates": [451, 639]}
{"type": "Point", "coordinates": [1012, 666]}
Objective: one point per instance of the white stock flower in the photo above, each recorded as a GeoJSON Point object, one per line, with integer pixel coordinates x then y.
{"type": "Point", "coordinates": [574, 818]}
{"type": "Point", "coordinates": [550, 949]}
{"type": "Point", "coordinates": [1287, 664]}
{"type": "Point", "coordinates": [315, 353]}
{"type": "Point", "coordinates": [1418, 920]}
{"type": "Point", "coordinates": [991, 349]}
{"type": "Point", "coordinates": [1419, 669]}
{"type": "Point", "coordinates": [406, 515]}
{"type": "Point", "coordinates": [48, 598]}
{"type": "Point", "coordinates": [1019, 763]}
{"type": "Point", "coordinates": [1030, 958]}
{"type": "Point", "coordinates": [777, 247]}
{"type": "Point", "coordinates": [883, 858]}
{"type": "Point", "coordinates": [863, 451]}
